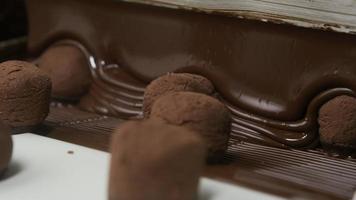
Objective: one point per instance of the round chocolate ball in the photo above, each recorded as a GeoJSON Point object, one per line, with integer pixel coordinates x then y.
{"type": "Point", "coordinates": [24, 95]}
{"type": "Point", "coordinates": [174, 82]}
{"type": "Point", "coordinates": [68, 69]}
{"type": "Point", "coordinates": [337, 124]}
{"type": "Point", "coordinates": [5, 148]}
{"type": "Point", "coordinates": [153, 160]}
{"type": "Point", "coordinates": [200, 113]}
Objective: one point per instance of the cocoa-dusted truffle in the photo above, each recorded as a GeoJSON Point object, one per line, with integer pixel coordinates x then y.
{"type": "Point", "coordinates": [337, 121]}
{"type": "Point", "coordinates": [174, 82]}
{"type": "Point", "coordinates": [68, 69]}
{"type": "Point", "coordinates": [24, 95]}
{"type": "Point", "coordinates": [5, 148]}
{"type": "Point", "coordinates": [152, 160]}
{"type": "Point", "coordinates": [198, 112]}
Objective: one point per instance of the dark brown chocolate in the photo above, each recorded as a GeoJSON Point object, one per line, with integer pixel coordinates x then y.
{"type": "Point", "coordinates": [114, 93]}
{"type": "Point", "coordinates": [68, 69]}
{"type": "Point", "coordinates": [174, 82]}
{"type": "Point", "coordinates": [288, 173]}
{"type": "Point", "coordinates": [200, 113]}
{"type": "Point", "coordinates": [24, 95]}
{"type": "Point", "coordinates": [153, 160]}
{"type": "Point", "coordinates": [337, 121]}
{"type": "Point", "coordinates": [273, 77]}
{"type": "Point", "coordinates": [5, 148]}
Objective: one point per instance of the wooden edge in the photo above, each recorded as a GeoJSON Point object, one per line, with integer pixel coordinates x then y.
{"type": "Point", "coordinates": [337, 16]}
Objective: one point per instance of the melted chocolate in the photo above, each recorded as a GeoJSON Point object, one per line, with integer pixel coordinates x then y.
{"type": "Point", "coordinates": [292, 174]}
{"type": "Point", "coordinates": [273, 77]}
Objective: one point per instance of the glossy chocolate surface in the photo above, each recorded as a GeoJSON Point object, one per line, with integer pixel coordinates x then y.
{"type": "Point", "coordinates": [273, 77]}
{"type": "Point", "coordinates": [292, 174]}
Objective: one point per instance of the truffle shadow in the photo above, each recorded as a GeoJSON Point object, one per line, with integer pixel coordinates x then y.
{"type": "Point", "coordinates": [205, 195]}
{"type": "Point", "coordinates": [13, 169]}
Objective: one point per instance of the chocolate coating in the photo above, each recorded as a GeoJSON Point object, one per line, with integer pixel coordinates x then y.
{"type": "Point", "coordinates": [272, 75]}
{"type": "Point", "coordinates": [288, 173]}
{"type": "Point", "coordinates": [153, 160]}
{"type": "Point", "coordinates": [337, 121]}
{"type": "Point", "coordinates": [198, 112]}
{"type": "Point", "coordinates": [68, 69]}
{"type": "Point", "coordinates": [174, 83]}
{"type": "Point", "coordinates": [5, 148]}
{"type": "Point", "coordinates": [24, 94]}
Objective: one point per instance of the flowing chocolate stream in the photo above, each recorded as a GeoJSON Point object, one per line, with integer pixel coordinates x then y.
{"type": "Point", "coordinates": [293, 174]}
{"type": "Point", "coordinates": [273, 77]}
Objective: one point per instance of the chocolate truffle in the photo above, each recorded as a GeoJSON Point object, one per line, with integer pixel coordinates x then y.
{"type": "Point", "coordinates": [203, 114]}
{"type": "Point", "coordinates": [5, 148]}
{"type": "Point", "coordinates": [68, 69]}
{"type": "Point", "coordinates": [174, 82]}
{"type": "Point", "coordinates": [337, 124]}
{"type": "Point", "coordinates": [24, 95]}
{"type": "Point", "coordinates": [153, 160]}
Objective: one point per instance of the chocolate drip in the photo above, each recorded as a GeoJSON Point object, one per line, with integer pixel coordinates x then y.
{"type": "Point", "coordinates": [273, 77]}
